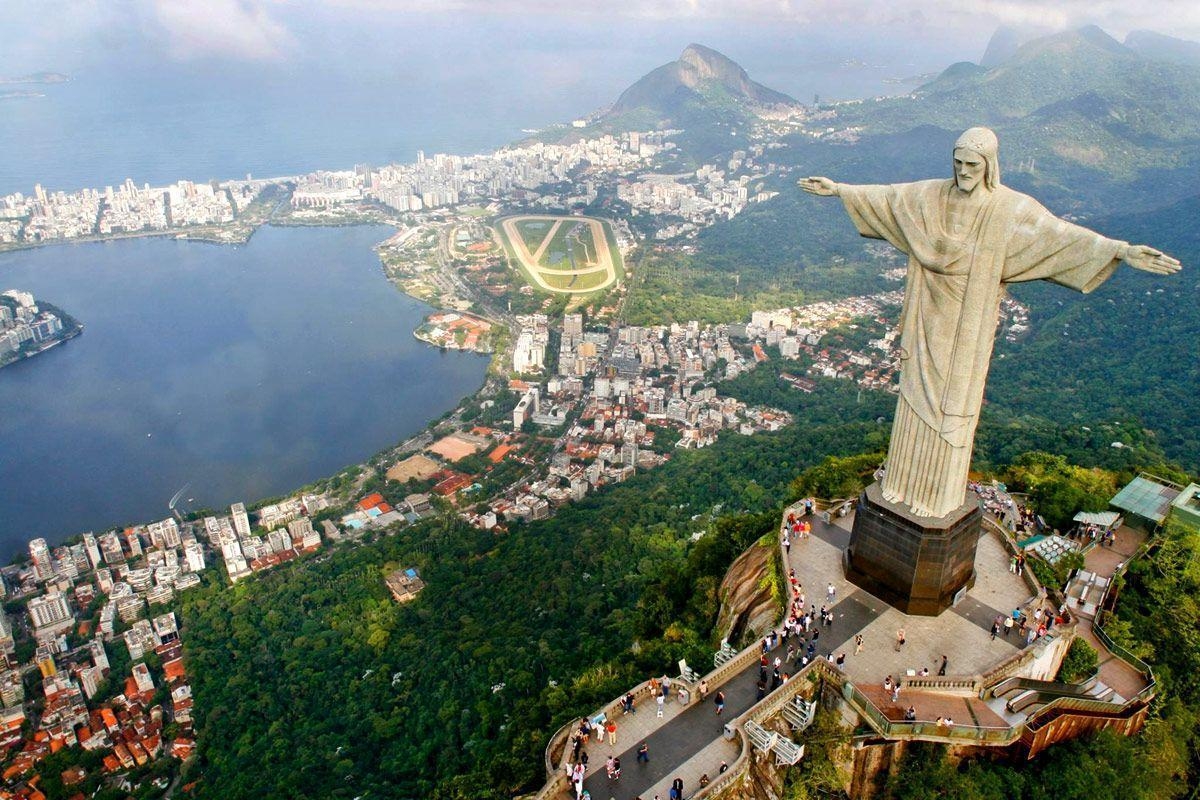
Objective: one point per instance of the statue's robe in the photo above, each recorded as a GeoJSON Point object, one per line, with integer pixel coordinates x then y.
{"type": "Point", "coordinates": [951, 308]}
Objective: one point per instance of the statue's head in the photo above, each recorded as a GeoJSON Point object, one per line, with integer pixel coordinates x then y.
{"type": "Point", "coordinates": [976, 160]}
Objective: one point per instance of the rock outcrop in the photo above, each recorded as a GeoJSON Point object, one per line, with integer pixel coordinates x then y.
{"type": "Point", "coordinates": [747, 604]}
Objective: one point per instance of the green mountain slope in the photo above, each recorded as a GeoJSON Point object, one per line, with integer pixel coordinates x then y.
{"type": "Point", "coordinates": [1078, 97]}
{"type": "Point", "coordinates": [1158, 47]}
{"type": "Point", "coordinates": [1127, 351]}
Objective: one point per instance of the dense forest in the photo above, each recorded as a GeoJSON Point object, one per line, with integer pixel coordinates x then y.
{"type": "Point", "coordinates": [454, 695]}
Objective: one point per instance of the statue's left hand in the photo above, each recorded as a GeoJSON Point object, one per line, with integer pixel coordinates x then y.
{"type": "Point", "coordinates": [1139, 256]}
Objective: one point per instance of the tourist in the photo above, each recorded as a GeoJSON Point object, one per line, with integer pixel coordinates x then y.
{"type": "Point", "coordinates": [840, 663]}
{"type": "Point", "coordinates": [830, 592]}
{"type": "Point", "coordinates": [910, 715]}
{"type": "Point", "coordinates": [643, 753]}
{"type": "Point", "coordinates": [724, 767]}
{"type": "Point", "coordinates": [719, 702]}
{"type": "Point", "coordinates": [945, 661]}
{"type": "Point", "coordinates": [1008, 626]}
{"type": "Point", "coordinates": [887, 683]}
{"type": "Point", "coordinates": [704, 780]}
{"type": "Point", "coordinates": [616, 773]}
{"type": "Point", "coordinates": [610, 728]}
{"type": "Point", "coordinates": [899, 639]}
{"type": "Point", "coordinates": [858, 643]}
{"type": "Point", "coordinates": [659, 699]}
{"type": "Point", "coordinates": [609, 766]}
{"type": "Point", "coordinates": [677, 787]}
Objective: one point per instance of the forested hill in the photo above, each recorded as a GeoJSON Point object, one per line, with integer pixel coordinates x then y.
{"type": "Point", "coordinates": [1127, 351]}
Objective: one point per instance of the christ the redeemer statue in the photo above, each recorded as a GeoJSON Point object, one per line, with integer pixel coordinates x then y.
{"type": "Point", "coordinates": [966, 238]}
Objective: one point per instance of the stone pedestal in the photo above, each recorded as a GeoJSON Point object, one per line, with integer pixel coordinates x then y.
{"type": "Point", "coordinates": [917, 564]}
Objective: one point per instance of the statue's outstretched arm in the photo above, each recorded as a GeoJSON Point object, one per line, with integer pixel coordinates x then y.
{"type": "Point", "coordinates": [820, 186]}
{"type": "Point", "coordinates": [1139, 256]}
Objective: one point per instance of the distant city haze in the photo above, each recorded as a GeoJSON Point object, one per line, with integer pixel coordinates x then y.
{"type": "Point", "coordinates": [245, 371]}
{"type": "Point", "coordinates": [377, 89]}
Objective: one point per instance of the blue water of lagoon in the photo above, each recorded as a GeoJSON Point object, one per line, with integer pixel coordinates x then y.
{"type": "Point", "coordinates": [242, 372]}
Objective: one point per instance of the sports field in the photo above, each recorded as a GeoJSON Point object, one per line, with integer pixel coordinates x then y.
{"type": "Point", "coordinates": [569, 255]}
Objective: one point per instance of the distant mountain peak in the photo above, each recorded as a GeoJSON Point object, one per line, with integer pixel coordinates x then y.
{"type": "Point", "coordinates": [698, 73]}
{"type": "Point", "coordinates": [1160, 47]}
{"type": "Point", "coordinates": [1089, 36]}
{"type": "Point", "coordinates": [1009, 43]}
{"type": "Point", "coordinates": [707, 64]}
{"type": "Point", "coordinates": [1005, 42]}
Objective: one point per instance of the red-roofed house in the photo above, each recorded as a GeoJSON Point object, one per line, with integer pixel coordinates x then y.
{"type": "Point", "coordinates": [370, 501]}
{"type": "Point", "coordinates": [452, 484]}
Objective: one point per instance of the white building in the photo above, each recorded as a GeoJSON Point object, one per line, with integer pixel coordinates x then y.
{"type": "Point", "coordinates": [193, 556]}
{"type": "Point", "coordinates": [241, 522]}
{"type": "Point", "coordinates": [39, 554]}
{"type": "Point", "coordinates": [50, 613]}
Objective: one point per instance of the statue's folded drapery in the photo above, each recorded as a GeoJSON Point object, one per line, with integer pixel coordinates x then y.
{"type": "Point", "coordinates": [951, 305]}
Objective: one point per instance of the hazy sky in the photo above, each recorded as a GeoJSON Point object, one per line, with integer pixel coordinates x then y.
{"type": "Point", "coordinates": [64, 34]}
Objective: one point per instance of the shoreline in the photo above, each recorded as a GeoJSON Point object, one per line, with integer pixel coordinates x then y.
{"type": "Point", "coordinates": [363, 463]}
{"type": "Point", "coordinates": [48, 346]}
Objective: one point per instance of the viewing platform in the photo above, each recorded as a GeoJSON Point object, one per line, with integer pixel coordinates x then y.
{"type": "Point", "coordinates": [996, 690]}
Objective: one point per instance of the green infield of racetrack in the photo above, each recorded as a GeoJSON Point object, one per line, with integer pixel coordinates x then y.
{"type": "Point", "coordinates": [554, 276]}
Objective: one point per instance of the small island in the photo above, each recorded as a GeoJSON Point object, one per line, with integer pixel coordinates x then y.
{"type": "Point", "coordinates": [28, 328]}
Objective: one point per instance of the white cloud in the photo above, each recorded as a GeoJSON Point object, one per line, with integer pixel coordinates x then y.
{"type": "Point", "coordinates": [1118, 17]}
{"type": "Point", "coordinates": [266, 30]}
{"type": "Point", "coordinates": [243, 29]}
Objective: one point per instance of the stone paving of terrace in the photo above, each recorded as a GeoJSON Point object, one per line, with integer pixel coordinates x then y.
{"type": "Point", "coordinates": [688, 740]}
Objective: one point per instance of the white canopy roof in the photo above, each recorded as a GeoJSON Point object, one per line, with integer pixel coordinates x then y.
{"type": "Point", "coordinates": [1105, 519]}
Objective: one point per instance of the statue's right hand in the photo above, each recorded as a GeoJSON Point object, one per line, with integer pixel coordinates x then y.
{"type": "Point", "coordinates": [819, 186]}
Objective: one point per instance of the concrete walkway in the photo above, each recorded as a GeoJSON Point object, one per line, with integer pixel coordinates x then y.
{"type": "Point", "coordinates": [1105, 561]}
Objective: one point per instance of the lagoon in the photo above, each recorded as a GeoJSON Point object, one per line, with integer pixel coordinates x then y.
{"type": "Point", "coordinates": [242, 372]}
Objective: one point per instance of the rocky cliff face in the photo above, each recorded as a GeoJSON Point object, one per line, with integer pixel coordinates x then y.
{"type": "Point", "coordinates": [746, 601]}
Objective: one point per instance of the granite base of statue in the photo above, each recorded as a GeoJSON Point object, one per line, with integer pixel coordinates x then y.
{"type": "Point", "coordinates": [920, 565]}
